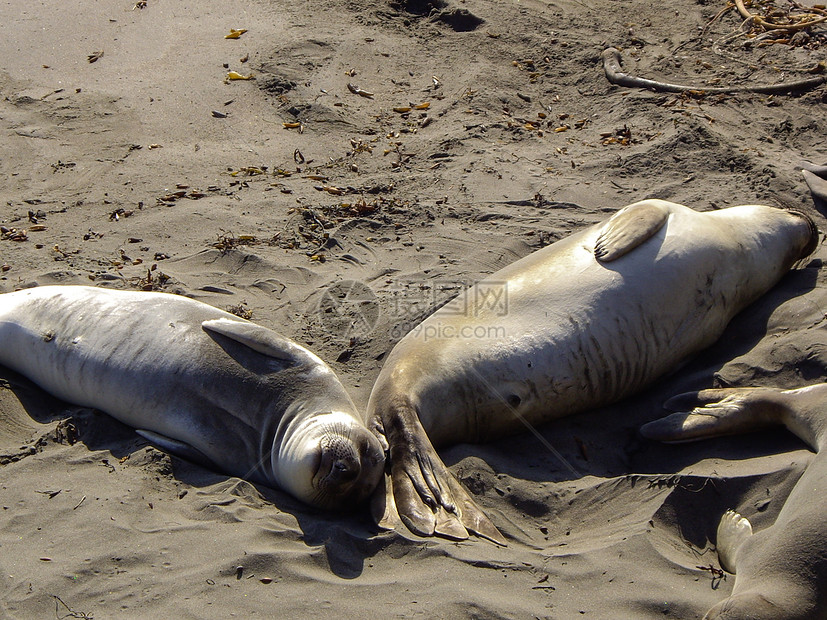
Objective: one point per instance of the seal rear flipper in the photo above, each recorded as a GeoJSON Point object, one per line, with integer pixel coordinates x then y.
{"type": "Point", "coordinates": [629, 228]}
{"type": "Point", "coordinates": [424, 521]}
{"type": "Point", "coordinates": [449, 526]}
{"type": "Point", "coordinates": [712, 413]}
{"type": "Point", "coordinates": [177, 448]}
{"type": "Point", "coordinates": [452, 516]}
{"type": "Point", "coordinates": [429, 499]}
{"type": "Point", "coordinates": [733, 531]}
{"type": "Point", "coordinates": [262, 340]}
{"type": "Point", "coordinates": [820, 170]}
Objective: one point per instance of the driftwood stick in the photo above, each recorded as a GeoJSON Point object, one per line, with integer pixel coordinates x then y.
{"type": "Point", "coordinates": [760, 21]}
{"type": "Point", "coordinates": [614, 73]}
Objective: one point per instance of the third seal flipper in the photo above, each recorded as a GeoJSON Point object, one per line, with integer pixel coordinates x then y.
{"type": "Point", "coordinates": [716, 412]}
{"type": "Point", "coordinates": [728, 411]}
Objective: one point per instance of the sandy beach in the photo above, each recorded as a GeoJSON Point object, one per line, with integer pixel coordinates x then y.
{"type": "Point", "coordinates": [336, 172]}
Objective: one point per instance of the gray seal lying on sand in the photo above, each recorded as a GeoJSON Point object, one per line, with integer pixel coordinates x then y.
{"type": "Point", "coordinates": [781, 571]}
{"type": "Point", "coordinates": [198, 382]}
{"type": "Point", "coordinates": [581, 323]}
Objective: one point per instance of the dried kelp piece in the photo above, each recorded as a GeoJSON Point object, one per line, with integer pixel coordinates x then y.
{"type": "Point", "coordinates": [787, 21]}
{"type": "Point", "coordinates": [358, 91]}
{"type": "Point", "coordinates": [235, 75]}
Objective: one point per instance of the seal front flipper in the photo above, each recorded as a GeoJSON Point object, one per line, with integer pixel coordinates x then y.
{"type": "Point", "coordinates": [262, 340]}
{"type": "Point", "coordinates": [429, 499]}
{"type": "Point", "coordinates": [712, 413]}
{"type": "Point", "coordinates": [177, 448]}
{"type": "Point", "coordinates": [472, 517]}
{"type": "Point", "coordinates": [628, 228]}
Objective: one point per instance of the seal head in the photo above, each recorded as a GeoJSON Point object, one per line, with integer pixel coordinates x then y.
{"type": "Point", "coordinates": [329, 460]}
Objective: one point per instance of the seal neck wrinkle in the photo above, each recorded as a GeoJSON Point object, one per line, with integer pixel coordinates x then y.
{"type": "Point", "coordinates": [814, 237]}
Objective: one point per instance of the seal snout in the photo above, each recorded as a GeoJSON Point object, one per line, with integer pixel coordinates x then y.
{"type": "Point", "coordinates": [341, 462]}
{"type": "Point", "coordinates": [344, 470]}
{"type": "Point", "coordinates": [340, 465]}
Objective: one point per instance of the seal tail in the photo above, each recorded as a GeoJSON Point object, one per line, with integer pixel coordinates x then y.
{"type": "Point", "coordinates": [816, 178]}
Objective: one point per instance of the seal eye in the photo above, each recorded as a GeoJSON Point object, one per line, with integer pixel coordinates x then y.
{"type": "Point", "coordinates": [514, 401]}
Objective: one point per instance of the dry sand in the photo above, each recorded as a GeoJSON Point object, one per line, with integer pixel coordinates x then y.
{"type": "Point", "coordinates": [525, 141]}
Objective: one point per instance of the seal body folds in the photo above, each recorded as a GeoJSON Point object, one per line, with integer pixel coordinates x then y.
{"type": "Point", "coordinates": [581, 323]}
{"type": "Point", "coordinates": [197, 382]}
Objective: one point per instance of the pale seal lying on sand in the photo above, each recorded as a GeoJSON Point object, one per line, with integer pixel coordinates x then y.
{"type": "Point", "coordinates": [198, 382]}
{"type": "Point", "coordinates": [781, 571]}
{"type": "Point", "coordinates": [581, 323]}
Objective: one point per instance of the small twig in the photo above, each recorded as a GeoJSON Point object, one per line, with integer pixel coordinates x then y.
{"type": "Point", "coordinates": [715, 572]}
{"type": "Point", "coordinates": [82, 499]}
{"type": "Point", "coordinates": [718, 575]}
{"type": "Point", "coordinates": [614, 73]}
{"type": "Point", "coordinates": [718, 16]}
{"type": "Point", "coordinates": [72, 613]}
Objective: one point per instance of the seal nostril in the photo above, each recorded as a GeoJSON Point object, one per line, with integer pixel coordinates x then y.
{"type": "Point", "coordinates": [345, 470]}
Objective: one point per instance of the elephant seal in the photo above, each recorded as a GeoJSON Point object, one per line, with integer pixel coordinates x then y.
{"type": "Point", "coordinates": [198, 382]}
{"type": "Point", "coordinates": [581, 323]}
{"type": "Point", "coordinates": [781, 571]}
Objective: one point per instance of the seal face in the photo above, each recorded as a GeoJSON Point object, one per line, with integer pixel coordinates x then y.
{"type": "Point", "coordinates": [589, 320]}
{"type": "Point", "coordinates": [781, 571]}
{"type": "Point", "coordinates": [198, 382]}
